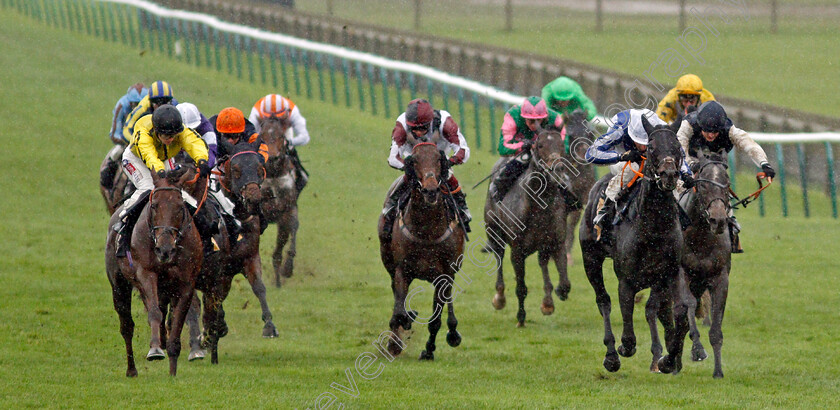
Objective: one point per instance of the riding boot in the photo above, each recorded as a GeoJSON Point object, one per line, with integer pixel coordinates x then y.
{"type": "Point", "coordinates": [504, 182]}
{"type": "Point", "coordinates": [234, 227]}
{"type": "Point", "coordinates": [106, 175]}
{"type": "Point", "coordinates": [301, 176]}
{"type": "Point", "coordinates": [734, 229]}
{"type": "Point", "coordinates": [125, 225]}
{"type": "Point", "coordinates": [391, 207]}
{"type": "Point", "coordinates": [206, 228]}
{"type": "Point", "coordinates": [461, 200]}
{"type": "Point", "coordinates": [603, 219]}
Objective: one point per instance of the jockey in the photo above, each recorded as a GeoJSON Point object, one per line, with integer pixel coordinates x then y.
{"type": "Point", "coordinates": [275, 105]}
{"type": "Point", "coordinates": [159, 93]}
{"type": "Point", "coordinates": [709, 130]}
{"type": "Point", "coordinates": [421, 123]}
{"type": "Point", "coordinates": [196, 121]}
{"type": "Point", "coordinates": [124, 106]}
{"type": "Point", "coordinates": [157, 139]}
{"type": "Point", "coordinates": [628, 132]}
{"type": "Point", "coordinates": [231, 126]}
{"type": "Point", "coordinates": [688, 92]}
{"type": "Point", "coordinates": [564, 95]}
{"type": "Point", "coordinates": [520, 126]}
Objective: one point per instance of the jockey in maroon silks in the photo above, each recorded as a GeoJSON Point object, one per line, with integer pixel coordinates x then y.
{"type": "Point", "coordinates": [421, 123]}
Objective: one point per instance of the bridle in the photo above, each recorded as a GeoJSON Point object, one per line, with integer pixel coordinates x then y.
{"type": "Point", "coordinates": [705, 214]}
{"type": "Point", "coordinates": [418, 185]}
{"type": "Point", "coordinates": [227, 165]}
{"type": "Point", "coordinates": [177, 233]}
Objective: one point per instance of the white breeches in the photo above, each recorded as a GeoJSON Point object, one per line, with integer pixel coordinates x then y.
{"type": "Point", "coordinates": [617, 169]}
{"type": "Point", "coordinates": [141, 177]}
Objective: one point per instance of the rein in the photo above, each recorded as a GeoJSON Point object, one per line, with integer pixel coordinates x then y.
{"type": "Point", "coordinates": [178, 233]}
{"type": "Point", "coordinates": [753, 196]}
{"type": "Point", "coordinates": [638, 174]}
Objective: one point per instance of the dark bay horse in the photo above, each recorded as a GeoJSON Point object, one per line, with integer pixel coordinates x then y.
{"type": "Point", "coordinates": [647, 253]}
{"type": "Point", "coordinates": [163, 264]}
{"type": "Point", "coordinates": [279, 202]}
{"type": "Point", "coordinates": [532, 218]}
{"type": "Point", "coordinates": [243, 173]}
{"type": "Point", "coordinates": [582, 175]}
{"type": "Point", "coordinates": [121, 188]}
{"type": "Point", "coordinates": [426, 241]}
{"type": "Point", "coordinates": [707, 256]}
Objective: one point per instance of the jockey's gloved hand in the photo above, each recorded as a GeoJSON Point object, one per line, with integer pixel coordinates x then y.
{"type": "Point", "coordinates": [768, 170]}
{"type": "Point", "coordinates": [632, 156]}
{"type": "Point", "coordinates": [527, 144]}
{"type": "Point", "coordinates": [203, 168]}
{"type": "Point", "coordinates": [688, 182]}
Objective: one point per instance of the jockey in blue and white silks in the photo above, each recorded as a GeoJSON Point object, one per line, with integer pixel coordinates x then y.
{"type": "Point", "coordinates": [627, 134]}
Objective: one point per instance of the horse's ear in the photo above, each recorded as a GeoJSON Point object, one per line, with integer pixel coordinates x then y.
{"type": "Point", "coordinates": [256, 144]}
{"type": "Point", "coordinates": [225, 144]}
{"type": "Point", "coordinates": [155, 178]}
{"type": "Point", "coordinates": [647, 126]}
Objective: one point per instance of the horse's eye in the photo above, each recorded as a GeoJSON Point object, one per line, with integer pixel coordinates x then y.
{"type": "Point", "coordinates": [153, 206]}
{"type": "Point", "coordinates": [540, 145]}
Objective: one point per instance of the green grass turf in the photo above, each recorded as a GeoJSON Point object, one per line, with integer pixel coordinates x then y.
{"type": "Point", "coordinates": [59, 339]}
{"type": "Point", "coordinates": [794, 68]}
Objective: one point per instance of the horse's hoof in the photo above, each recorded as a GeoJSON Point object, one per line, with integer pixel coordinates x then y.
{"type": "Point", "coordinates": [424, 355]}
{"type": "Point", "coordinates": [269, 331]}
{"type": "Point", "coordinates": [196, 355]}
{"type": "Point", "coordinates": [667, 364]}
{"type": "Point", "coordinates": [520, 324]}
{"type": "Point", "coordinates": [626, 352]}
{"type": "Point", "coordinates": [699, 354]}
{"type": "Point", "coordinates": [133, 373]}
{"type": "Point", "coordinates": [654, 366]}
{"type": "Point", "coordinates": [563, 292]}
{"type": "Point", "coordinates": [155, 353]}
{"type": "Point", "coordinates": [546, 309]}
{"type": "Point", "coordinates": [499, 301]}
{"type": "Point", "coordinates": [718, 374]}
{"type": "Point", "coordinates": [612, 363]}
{"type": "Point", "coordinates": [394, 349]}
{"type": "Point", "coordinates": [453, 338]}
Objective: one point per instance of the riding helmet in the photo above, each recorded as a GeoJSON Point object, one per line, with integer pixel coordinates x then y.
{"type": "Point", "coordinates": [712, 117]}
{"type": "Point", "coordinates": [167, 120]}
{"type": "Point", "coordinates": [419, 113]}
{"type": "Point", "coordinates": [689, 84]}
{"type": "Point", "coordinates": [160, 91]}
{"type": "Point", "coordinates": [230, 121]}
{"type": "Point", "coordinates": [274, 105]}
{"type": "Point", "coordinates": [534, 108]}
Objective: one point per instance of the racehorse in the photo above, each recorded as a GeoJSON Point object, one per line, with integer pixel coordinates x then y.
{"type": "Point", "coordinates": [163, 264]}
{"type": "Point", "coordinates": [578, 139]}
{"type": "Point", "coordinates": [243, 173]}
{"type": "Point", "coordinates": [707, 256]}
{"type": "Point", "coordinates": [532, 218]}
{"type": "Point", "coordinates": [646, 253]}
{"type": "Point", "coordinates": [426, 242]}
{"type": "Point", "coordinates": [279, 204]}
{"type": "Point", "coordinates": [121, 188]}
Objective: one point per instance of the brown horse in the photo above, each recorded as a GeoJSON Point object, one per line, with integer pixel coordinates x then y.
{"type": "Point", "coordinates": [707, 256]}
{"type": "Point", "coordinates": [279, 204]}
{"type": "Point", "coordinates": [121, 190]}
{"type": "Point", "coordinates": [163, 264]}
{"type": "Point", "coordinates": [532, 218]}
{"type": "Point", "coordinates": [426, 241]}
